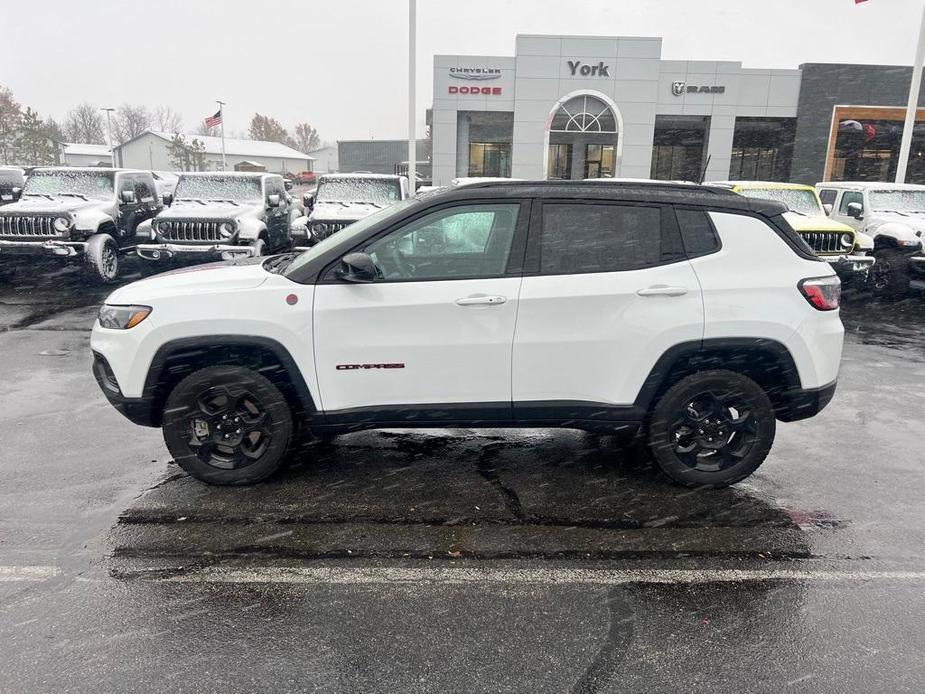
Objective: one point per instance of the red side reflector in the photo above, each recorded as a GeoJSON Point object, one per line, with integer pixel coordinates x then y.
{"type": "Point", "coordinates": [823, 293]}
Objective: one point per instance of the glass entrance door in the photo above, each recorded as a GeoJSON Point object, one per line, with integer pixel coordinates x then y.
{"type": "Point", "coordinates": [599, 161]}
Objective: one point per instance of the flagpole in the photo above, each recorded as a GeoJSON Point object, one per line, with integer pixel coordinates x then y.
{"type": "Point", "coordinates": [912, 105]}
{"type": "Point", "coordinates": [221, 110]}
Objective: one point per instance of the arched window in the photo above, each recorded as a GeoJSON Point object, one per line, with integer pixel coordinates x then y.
{"type": "Point", "coordinates": [584, 114]}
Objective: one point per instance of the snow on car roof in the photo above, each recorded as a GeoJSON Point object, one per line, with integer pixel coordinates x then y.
{"type": "Point", "coordinates": [760, 185]}
{"type": "Point", "coordinates": [870, 185]}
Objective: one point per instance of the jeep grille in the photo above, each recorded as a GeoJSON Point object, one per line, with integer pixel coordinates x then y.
{"type": "Point", "coordinates": [825, 241]}
{"type": "Point", "coordinates": [21, 226]}
{"type": "Point", "coordinates": [188, 230]}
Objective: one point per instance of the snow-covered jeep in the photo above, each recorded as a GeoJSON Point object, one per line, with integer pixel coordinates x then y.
{"type": "Point", "coordinates": [342, 199]}
{"type": "Point", "coordinates": [219, 216]}
{"type": "Point", "coordinates": [894, 215]}
{"type": "Point", "coordinates": [74, 213]}
{"type": "Point", "coordinates": [611, 307]}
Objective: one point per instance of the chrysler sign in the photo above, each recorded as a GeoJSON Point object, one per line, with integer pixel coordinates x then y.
{"type": "Point", "coordinates": [475, 73]}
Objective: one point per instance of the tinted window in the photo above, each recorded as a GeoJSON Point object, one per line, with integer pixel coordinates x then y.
{"type": "Point", "coordinates": [697, 232]}
{"type": "Point", "coordinates": [465, 241]}
{"type": "Point", "coordinates": [847, 198]}
{"type": "Point", "coordinates": [828, 196]}
{"type": "Point", "coordinates": [599, 238]}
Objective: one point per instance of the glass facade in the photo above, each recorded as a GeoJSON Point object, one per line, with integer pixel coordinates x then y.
{"type": "Point", "coordinates": [679, 147]}
{"type": "Point", "coordinates": [762, 149]}
{"type": "Point", "coordinates": [866, 147]}
{"type": "Point", "coordinates": [582, 140]}
{"type": "Point", "coordinates": [490, 159]}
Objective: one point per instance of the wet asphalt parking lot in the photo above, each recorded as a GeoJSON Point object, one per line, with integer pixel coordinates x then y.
{"type": "Point", "coordinates": [456, 561]}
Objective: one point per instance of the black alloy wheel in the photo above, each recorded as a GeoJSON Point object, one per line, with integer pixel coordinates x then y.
{"type": "Point", "coordinates": [712, 428]}
{"type": "Point", "coordinates": [227, 425]}
{"type": "Point", "coordinates": [889, 275]}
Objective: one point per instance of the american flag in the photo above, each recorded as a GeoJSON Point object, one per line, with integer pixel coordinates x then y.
{"type": "Point", "coordinates": [212, 121]}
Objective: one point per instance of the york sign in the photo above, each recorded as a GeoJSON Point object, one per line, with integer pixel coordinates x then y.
{"type": "Point", "coordinates": [599, 70]}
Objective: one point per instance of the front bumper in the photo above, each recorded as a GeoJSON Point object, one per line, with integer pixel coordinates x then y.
{"type": "Point", "coordinates": [216, 251]}
{"type": "Point", "coordinates": [140, 411]}
{"type": "Point", "coordinates": [47, 247]}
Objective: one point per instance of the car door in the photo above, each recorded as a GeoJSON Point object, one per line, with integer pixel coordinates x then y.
{"type": "Point", "coordinates": [840, 211]}
{"type": "Point", "coordinates": [129, 206]}
{"type": "Point", "coordinates": [607, 290]}
{"type": "Point", "coordinates": [146, 195]}
{"type": "Point", "coordinates": [432, 335]}
{"type": "Point", "coordinates": [278, 216]}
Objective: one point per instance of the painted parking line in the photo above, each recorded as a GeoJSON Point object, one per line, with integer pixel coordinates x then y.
{"type": "Point", "coordinates": [552, 576]}
{"type": "Point", "coordinates": [27, 573]}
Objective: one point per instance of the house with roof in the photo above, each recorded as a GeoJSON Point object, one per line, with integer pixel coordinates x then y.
{"type": "Point", "coordinates": [151, 151]}
{"type": "Point", "coordinates": [79, 154]}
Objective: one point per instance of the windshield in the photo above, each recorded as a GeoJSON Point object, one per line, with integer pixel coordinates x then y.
{"type": "Point", "coordinates": [10, 177]}
{"type": "Point", "coordinates": [350, 232]}
{"type": "Point", "coordinates": [218, 188]}
{"type": "Point", "coordinates": [798, 200]}
{"type": "Point", "coordinates": [376, 190]}
{"type": "Point", "coordinates": [899, 200]}
{"type": "Point", "coordinates": [88, 184]}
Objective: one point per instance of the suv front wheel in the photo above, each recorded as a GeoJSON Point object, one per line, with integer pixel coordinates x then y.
{"type": "Point", "coordinates": [227, 425]}
{"type": "Point", "coordinates": [712, 429]}
{"type": "Point", "coordinates": [102, 259]}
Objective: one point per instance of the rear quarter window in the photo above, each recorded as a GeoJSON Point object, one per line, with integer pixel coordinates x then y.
{"type": "Point", "coordinates": [697, 233]}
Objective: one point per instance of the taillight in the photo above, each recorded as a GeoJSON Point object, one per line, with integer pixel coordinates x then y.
{"type": "Point", "coordinates": [823, 293]}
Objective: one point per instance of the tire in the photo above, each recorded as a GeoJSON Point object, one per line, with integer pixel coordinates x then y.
{"type": "Point", "coordinates": [102, 259]}
{"type": "Point", "coordinates": [259, 248]}
{"type": "Point", "coordinates": [227, 402]}
{"type": "Point", "coordinates": [889, 276]}
{"type": "Point", "coordinates": [712, 429]}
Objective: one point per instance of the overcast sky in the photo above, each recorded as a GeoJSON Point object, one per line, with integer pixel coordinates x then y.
{"type": "Point", "coordinates": [342, 65]}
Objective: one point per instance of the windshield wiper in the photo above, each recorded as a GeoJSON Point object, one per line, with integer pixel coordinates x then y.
{"type": "Point", "coordinates": [74, 195]}
{"type": "Point", "coordinates": [39, 195]}
{"type": "Point", "coordinates": [233, 202]}
{"type": "Point", "coordinates": [199, 200]}
{"type": "Point", "coordinates": [802, 214]}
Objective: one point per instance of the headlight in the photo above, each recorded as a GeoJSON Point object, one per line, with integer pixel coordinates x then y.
{"type": "Point", "coordinates": [62, 223]}
{"type": "Point", "coordinates": [122, 317]}
{"type": "Point", "coordinates": [227, 229]}
{"type": "Point", "coordinates": [847, 240]}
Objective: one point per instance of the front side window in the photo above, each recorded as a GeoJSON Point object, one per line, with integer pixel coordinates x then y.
{"type": "Point", "coordinates": [849, 197]}
{"type": "Point", "coordinates": [580, 238]}
{"type": "Point", "coordinates": [828, 196]}
{"type": "Point", "coordinates": [460, 242]}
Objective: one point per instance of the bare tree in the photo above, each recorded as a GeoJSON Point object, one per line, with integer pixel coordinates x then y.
{"type": "Point", "coordinates": [269, 130]}
{"type": "Point", "coordinates": [84, 124]}
{"type": "Point", "coordinates": [203, 129]}
{"type": "Point", "coordinates": [306, 138]}
{"type": "Point", "coordinates": [130, 121]}
{"type": "Point", "coordinates": [167, 120]}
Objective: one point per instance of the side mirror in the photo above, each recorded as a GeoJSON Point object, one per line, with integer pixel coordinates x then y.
{"type": "Point", "coordinates": [855, 209]}
{"type": "Point", "coordinates": [357, 267]}
{"type": "Point", "coordinates": [273, 200]}
{"type": "Point", "coordinates": [308, 200]}
{"type": "Point", "coordinates": [128, 196]}
{"type": "Point", "coordinates": [17, 192]}
{"type": "Point", "coordinates": [827, 206]}
{"type": "Point", "coordinates": [167, 198]}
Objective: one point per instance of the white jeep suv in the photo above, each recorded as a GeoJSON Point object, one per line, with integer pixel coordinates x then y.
{"type": "Point", "coordinates": [620, 308]}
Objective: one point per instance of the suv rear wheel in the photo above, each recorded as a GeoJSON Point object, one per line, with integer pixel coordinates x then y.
{"type": "Point", "coordinates": [713, 429]}
{"type": "Point", "coordinates": [227, 425]}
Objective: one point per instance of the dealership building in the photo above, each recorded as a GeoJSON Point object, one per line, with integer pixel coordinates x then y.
{"type": "Point", "coordinates": [574, 107]}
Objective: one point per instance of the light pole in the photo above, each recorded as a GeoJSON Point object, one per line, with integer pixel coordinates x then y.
{"type": "Point", "coordinates": [112, 153]}
{"type": "Point", "coordinates": [221, 112]}
{"type": "Point", "coordinates": [412, 142]}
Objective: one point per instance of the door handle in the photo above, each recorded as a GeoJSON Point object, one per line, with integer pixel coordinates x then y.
{"type": "Point", "coordinates": [481, 301]}
{"type": "Point", "coordinates": [662, 290]}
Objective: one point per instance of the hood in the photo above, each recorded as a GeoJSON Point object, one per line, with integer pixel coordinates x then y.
{"type": "Point", "coordinates": [816, 222]}
{"type": "Point", "coordinates": [913, 220]}
{"type": "Point", "coordinates": [42, 205]}
{"type": "Point", "coordinates": [213, 277]}
{"type": "Point", "coordinates": [211, 210]}
{"type": "Point", "coordinates": [342, 211]}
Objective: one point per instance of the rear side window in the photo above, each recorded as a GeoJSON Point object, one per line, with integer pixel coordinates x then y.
{"type": "Point", "coordinates": [581, 238]}
{"type": "Point", "coordinates": [697, 233]}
